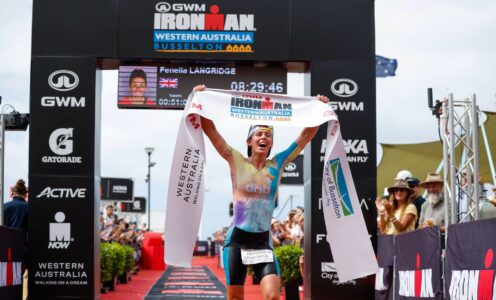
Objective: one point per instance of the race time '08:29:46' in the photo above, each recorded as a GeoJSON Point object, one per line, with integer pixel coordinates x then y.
{"type": "Point", "coordinates": [258, 86]}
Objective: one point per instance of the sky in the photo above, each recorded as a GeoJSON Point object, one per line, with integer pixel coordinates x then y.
{"type": "Point", "coordinates": [448, 45]}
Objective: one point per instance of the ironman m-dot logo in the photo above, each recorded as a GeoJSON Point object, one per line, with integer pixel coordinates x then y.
{"type": "Point", "coordinates": [59, 233]}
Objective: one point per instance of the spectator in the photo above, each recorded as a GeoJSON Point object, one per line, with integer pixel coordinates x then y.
{"type": "Point", "coordinates": [109, 217]}
{"type": "Point", "coordinates": [16, 211]}
{"type": "Point", "coordinates": [403, 174]}
{"type": "Point", "coordinates": [433, 209]}
{"type": "Point", "coordinates": [398, 214]}
{"type": "Point", "coordinates": [297, 228]}
{"type": "Point", "coordinates": [413, 183]}
{"type": "Point", "coordinates": [275, 230]}
{"type": "Point", "coordinates": [300, 210]}
{"type": "Point", "coordinates": [493, 199]}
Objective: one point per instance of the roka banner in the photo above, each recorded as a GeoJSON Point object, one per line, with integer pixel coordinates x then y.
{"type": "Point", "coordinates": [385, 259]}
{"type": "Point", "coordinates": [418, 264]}
{"type": "Point", "coordinates": [470, 266]}
{"type": "Point", "coordinates": [353, 253]}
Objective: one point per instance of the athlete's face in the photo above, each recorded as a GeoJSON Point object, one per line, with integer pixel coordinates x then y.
{"type": "Point", "coordinates": [261, 141]}
{"type": "Point", "coordinates": [138, 87]}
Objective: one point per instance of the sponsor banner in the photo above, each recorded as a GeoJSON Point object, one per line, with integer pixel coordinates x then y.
{"type": "Point", "coordinates": [354, 257]}
{"type": "Point", "coordinates": [359, 146]}
{"type": "Point", "coordinates": [12, 255]}
{"type": "Point", "coordinates": [293, 172]}
{"type": "Point", "coordinates": [138, 205]}
{"type": "Point", "coordinates": [62, 236]}
{"type": "Point", "coordinates": [321, 261]}
{"type": "Point", "coordinates": [418, 264]}
{"type": "Point", "coordinates": [217, 29]}
{"type": "Point", "coordinates": [62, 91]}
{"type": "Point", "coordinates": [385, 259]}
{"type": "Point", "coordinates": [470, 265]}
{"type": "Point", "coordinates": [118, 189]}
{"type": "Point", "coordinates": [168, 86]}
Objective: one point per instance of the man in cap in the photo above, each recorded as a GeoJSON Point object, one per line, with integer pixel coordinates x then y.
{"type": "Point", "coordinates": [403, 175]}
{"type": "Point", "coordinates": [433, 209]}
{"type": "Point", "coordinates": [418, 201]}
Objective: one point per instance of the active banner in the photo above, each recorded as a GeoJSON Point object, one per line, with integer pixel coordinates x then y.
{"type": "Point", "coordinates": [470, 265]}
{"type": "Point", "coordinates": [385, 259]}
{"type": "Point", "coordinates": [418, 264]}
{"type": "Point", "coordinates": [353, 253]}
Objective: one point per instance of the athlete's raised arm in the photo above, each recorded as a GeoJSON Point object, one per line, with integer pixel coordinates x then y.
{"type": "Point", "coordinates": [308, 133]}
{"type": "Point", "coordinates": [213, 135]}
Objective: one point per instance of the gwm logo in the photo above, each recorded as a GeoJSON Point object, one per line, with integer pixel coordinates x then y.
{"type": "Point", "coordinates": [59, 233]}
{"type": "Point", "coordinates": [63, 80]}
{"type": "Point", "coordinates": [290, 167]}
{"type": "Point", "coordinates": [416, 283]}
{"type": "Point", "coordinates": [474, 284]}
{"type": "Point", "coordinates": [344, 87]}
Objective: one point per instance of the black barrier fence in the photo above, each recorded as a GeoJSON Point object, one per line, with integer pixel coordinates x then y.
{"type": "Point", "coordinates": [12, 259]}
{"type": "Point", "coordinates": [469, 268]}
{"type": "Point", "coordinates": [410, 265]}
{"type": "Point", "coordinates": [385, 260]}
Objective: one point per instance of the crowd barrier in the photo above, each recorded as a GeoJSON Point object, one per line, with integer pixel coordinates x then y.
{"type": "Point", "coordinates": [411, 263]}
{"type": "Point", "coordinates": [12, 255]}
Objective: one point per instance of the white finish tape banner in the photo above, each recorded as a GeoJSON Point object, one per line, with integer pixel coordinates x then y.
{"type": "Point", "coordinates": [346, 231]}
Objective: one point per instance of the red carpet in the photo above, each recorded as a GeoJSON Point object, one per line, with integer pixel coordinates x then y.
{"type": "Point", "coordinates": [140, 284]}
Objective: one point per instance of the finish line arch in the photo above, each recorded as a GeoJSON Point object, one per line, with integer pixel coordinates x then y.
{"type": "Point", "coordinates": [82, 37]}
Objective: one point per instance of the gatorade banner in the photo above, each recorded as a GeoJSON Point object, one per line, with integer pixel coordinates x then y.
{"type": "Point", "coordinates": [347, 234]}
{"type": "Point", "coordinates": [418, 264]}
{"type": "Point", "coordinates": [385, 259]}
{"type": "Point", "coordinates": [470, 265]}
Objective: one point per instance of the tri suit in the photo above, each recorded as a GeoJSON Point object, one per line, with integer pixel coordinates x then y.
{"type": "Point", "coordinates": [254, 195]}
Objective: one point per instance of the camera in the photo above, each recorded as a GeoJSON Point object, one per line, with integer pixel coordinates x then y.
{"type": "Point", "coordinates": [16, 121]}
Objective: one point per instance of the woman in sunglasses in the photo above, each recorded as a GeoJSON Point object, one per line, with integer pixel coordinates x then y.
{"type": "Point", "coordinates": [398, 214]}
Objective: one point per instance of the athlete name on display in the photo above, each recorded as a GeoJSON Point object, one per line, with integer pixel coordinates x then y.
{"type": "Point", "coordinates": [170, 85]}
{"type": "Point", "coordinates": [252, 257]}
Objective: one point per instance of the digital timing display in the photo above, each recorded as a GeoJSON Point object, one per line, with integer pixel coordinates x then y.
{"type": "Point", "coordinates": [168, 87]}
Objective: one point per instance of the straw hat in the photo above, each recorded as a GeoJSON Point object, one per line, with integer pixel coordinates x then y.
{"type": "Point", "coordinates": [432, 178]}
{"type": "Point", "coordinates": [399, 184]}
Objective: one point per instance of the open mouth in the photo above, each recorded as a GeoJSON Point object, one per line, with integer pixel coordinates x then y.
{"type": "Point", "coordinates": [262, 144]}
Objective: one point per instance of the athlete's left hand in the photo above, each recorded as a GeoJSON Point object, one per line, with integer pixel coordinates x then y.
{"type": "Point", "coordinates": [322, 98]}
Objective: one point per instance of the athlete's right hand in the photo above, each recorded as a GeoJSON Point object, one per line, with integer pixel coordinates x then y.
{"type": "Point", "coordinates": [199, 88]}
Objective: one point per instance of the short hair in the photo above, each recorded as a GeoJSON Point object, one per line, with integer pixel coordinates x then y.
{"type": "Point", "coordinates": [137, 73]}
{"type": "Point", "coordinates": [109, 206]}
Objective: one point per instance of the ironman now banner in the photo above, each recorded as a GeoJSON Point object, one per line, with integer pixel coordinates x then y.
{"type": "Point", "coordinates": [346, 231]}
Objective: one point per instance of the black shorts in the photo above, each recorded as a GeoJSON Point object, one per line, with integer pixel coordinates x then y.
{"type": "Point", "coordinates": [236, 271]}
{"type": "Point", "coordinates": [233, 267]}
